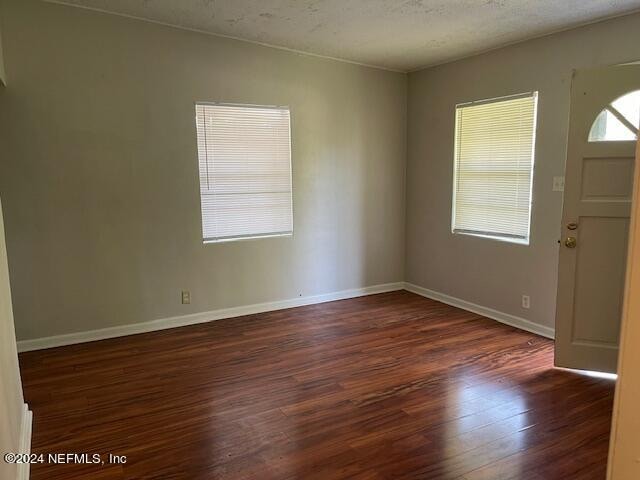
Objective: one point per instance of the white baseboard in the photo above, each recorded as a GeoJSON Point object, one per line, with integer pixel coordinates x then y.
{"type": "Point", "coordinates": [25, 441]}
{"type": "Point", "coordinates": [203, 317]}
{"type": "Point", "coordinates": [182, 320]}
{"type": "Point", "coordinates": [501, 317]}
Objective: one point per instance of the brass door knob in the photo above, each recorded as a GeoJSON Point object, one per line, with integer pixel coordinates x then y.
{"type": "Point", "coordinates": [570, 242]}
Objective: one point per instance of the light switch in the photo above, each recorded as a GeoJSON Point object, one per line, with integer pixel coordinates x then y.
{"type": "Point", "coordinates": [558, 184]}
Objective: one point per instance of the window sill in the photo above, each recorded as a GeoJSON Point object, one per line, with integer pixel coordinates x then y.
{"type": "Point", "coordinates": [249, 237]}
{"type": "Point", "coordinates": [517, 241]}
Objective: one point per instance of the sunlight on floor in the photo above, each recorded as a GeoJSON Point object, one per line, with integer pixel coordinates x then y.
{"type": "Point", "coordinates": [591, 373]}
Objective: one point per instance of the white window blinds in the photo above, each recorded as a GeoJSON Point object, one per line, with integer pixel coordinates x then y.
{"type": "Point", "coordinates": [244, 154]}
{"type": "Point", "coordinates": [494, 154]}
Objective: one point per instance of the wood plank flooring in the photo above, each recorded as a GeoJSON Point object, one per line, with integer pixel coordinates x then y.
{"type": "Point", "coordinates": [388, 386]}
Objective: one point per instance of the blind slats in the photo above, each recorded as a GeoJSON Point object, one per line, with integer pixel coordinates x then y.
{"type": "Point", "coordinates": [494, 156]}
{"type": "Point", "coordinates": [244, 155]}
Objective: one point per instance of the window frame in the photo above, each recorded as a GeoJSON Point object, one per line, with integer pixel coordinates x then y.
{"type": "Point", "coordinates": [526, 241]}
{"type": "Point", "coordinates": [246, 237]}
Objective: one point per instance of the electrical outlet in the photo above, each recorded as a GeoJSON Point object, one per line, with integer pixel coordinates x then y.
{"type": "Point", "coordinates": [186, 297]}
{"type": "Point", "coordinates": [526, 301]}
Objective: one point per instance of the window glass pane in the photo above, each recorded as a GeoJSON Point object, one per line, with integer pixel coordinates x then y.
{"type": "Point", "coordinates": [629, 106]}
{"type": "Point", "coordinates": [619, 121]}
{"type": "Point", "coordinates": [608, 128]}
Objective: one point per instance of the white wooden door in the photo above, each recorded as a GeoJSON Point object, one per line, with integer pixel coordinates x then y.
{"type": "Point", "coordinates": [605, 111]}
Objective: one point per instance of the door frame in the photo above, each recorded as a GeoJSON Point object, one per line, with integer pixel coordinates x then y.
{"type": "Point", "coordinates": [625, 425]}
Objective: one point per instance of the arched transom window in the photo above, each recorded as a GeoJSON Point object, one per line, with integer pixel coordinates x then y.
{"type": "Point", "coordinates": [618, 121]}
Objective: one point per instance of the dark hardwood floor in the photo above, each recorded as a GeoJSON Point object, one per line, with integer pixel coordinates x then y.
{"type": "Point", "coordinates": [381, 387]}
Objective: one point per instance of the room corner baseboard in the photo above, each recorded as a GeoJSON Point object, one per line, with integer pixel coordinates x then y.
{"type": "Point", "coordinates": [203, 317]}
{"type": "Point", "coordinates": [25, 441]}
{"type": "Point", "coordinates": [501, 317]}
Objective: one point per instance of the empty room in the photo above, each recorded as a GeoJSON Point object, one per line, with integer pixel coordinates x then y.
{"type": "Point", "coordinates": [302, 239]}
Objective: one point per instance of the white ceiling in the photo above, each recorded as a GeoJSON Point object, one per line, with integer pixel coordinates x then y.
{"type": "Point", "coordinates": [395, 34]}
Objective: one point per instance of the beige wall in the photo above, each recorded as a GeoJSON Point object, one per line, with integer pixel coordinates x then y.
{"type": "Point", "coordinates": [491, 273]}
{"type": "Point", "coordinates": [100, 181]}
{"type": "Point", "coordinates": [11, 401]}
{"type": "Point", "coordinates": [100, 178]}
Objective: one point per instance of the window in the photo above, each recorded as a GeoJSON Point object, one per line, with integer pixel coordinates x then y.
{"type": "Point", "coordinates": [244, 154]}
{"type": "Point", "coordinates": [494, 154]}
{"type": "Point", "coordinates": [619, 121]}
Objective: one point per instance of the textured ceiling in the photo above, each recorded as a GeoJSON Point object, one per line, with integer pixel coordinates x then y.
{"type": "Point", "coordinates": [395, 34]}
